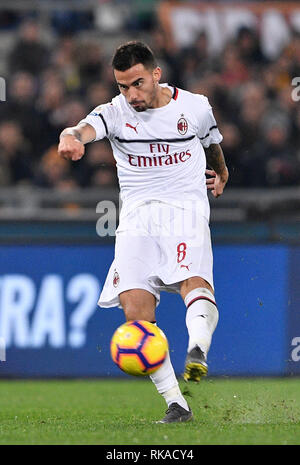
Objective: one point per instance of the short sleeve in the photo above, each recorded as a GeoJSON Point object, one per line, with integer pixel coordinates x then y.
{"type": "Point", "coordinates": [208, 131]}
{"type": "Point", "coordinates": [103, 119]}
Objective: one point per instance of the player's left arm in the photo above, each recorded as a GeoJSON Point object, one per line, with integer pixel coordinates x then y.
{"type": "Point", "coordinates": [219, 172]}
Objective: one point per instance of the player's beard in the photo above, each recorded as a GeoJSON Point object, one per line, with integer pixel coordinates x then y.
{"type": "Point", "coordinates": [142, 105]}
{"type": "Point", "coordinates": [139, 106]}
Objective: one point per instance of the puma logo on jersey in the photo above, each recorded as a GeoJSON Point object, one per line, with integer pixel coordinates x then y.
{"type": "Point", "coordinates": [186, 266]}
{"type": "Point", "coordinates": [132, 127]}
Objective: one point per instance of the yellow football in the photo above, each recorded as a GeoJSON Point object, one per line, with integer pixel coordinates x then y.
{"type": "Point", "coordinates": [139, 347]}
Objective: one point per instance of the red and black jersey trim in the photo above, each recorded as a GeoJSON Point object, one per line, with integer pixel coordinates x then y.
{"type": "Point", "coordinates": [201, 298]}
{"type": "Point", "coordinates": [175, 93]}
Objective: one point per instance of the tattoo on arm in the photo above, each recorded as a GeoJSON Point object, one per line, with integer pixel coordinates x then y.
{"type": "Point", "coordinates": [215, 158]}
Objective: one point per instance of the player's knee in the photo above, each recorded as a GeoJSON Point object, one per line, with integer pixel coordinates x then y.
{"type": "Point", "coordinates": [138, 313]}
{"type": "Point", "coordinates": [192, 283]}
{"type": "Point", "coordinates": [133, 314]}
{"type": "Point", "coordinates": [138, 305]}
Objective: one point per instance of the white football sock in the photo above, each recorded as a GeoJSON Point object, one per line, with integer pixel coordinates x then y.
{"type": "Point", "coordinates": [201, 318]}
{"type": "Point", "coordinates": [167, 385]}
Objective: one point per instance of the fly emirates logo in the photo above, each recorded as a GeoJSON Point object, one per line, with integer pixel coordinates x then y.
{"type": "Point", "coordinates": [160, 157]}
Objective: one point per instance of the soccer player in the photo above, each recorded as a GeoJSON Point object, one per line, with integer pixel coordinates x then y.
{"type": "Point", "coordinates": [162, 139]}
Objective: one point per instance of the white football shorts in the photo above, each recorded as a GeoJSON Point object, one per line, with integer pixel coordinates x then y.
{"type": "Point", "coordinates": [157, 246]}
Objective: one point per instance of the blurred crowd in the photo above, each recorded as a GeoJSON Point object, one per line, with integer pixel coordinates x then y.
{"type": "Point", "coordinates": [50, 87]}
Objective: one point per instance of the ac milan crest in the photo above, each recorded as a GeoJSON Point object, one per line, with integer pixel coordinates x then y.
{"type": "Point", "coordinates": [182, 126]}
{"type": "Point", "coordinates": [116, 279]}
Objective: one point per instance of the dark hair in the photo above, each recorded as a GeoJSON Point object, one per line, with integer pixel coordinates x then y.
{"type": "Point", "coordinates": [133, 53]}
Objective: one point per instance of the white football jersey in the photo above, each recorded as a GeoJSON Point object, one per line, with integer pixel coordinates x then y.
{"type": "Point", "coordinates": [159, 152]}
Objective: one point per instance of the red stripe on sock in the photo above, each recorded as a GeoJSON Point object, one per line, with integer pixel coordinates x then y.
{"type": "Point", "coordinates": [200, 298]}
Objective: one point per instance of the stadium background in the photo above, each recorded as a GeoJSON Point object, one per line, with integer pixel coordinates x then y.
{"type": "Point", "coordinates": [54, 60]}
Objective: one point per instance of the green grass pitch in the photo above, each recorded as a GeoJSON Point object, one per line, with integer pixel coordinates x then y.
{"type": "Point", "coordinates": [119, 412]}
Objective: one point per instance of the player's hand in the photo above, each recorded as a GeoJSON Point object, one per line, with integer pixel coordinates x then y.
{"type": "Point", "coordinates": [216, 183]}
{"type": "Point", "coordinates": [70, 148]}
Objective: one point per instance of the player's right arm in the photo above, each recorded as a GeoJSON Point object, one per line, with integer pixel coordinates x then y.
{"type": "Point", "coordinates": [72, 141]}
{"type": "Point", "coordinates": [97, 125]}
